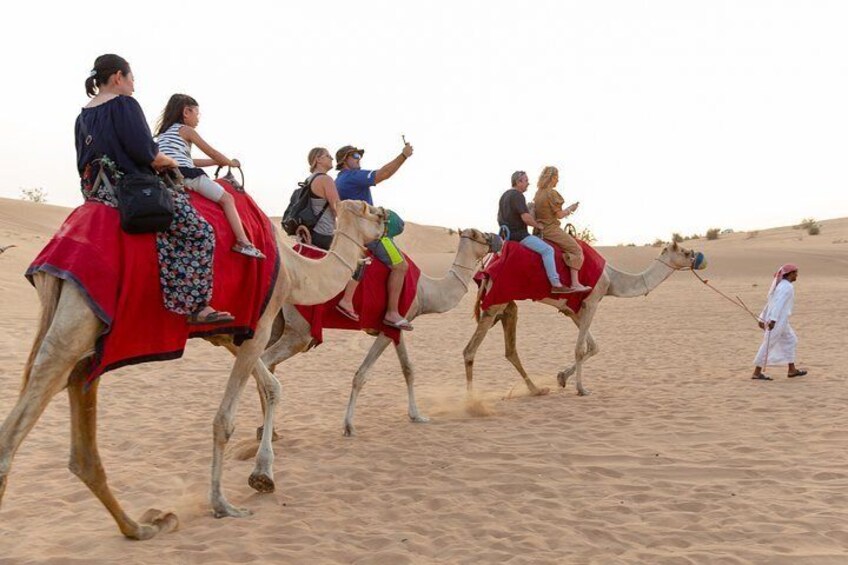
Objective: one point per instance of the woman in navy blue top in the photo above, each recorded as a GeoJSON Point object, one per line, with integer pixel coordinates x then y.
{"type": "Point", "coordinates": [111, 132]}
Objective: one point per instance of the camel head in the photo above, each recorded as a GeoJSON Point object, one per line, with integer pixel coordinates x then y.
{"type": "Point", "coordinates": [479, 243]}
{"type": "Point", "coordinates": [360, 221]}
{"type": "Point", "coordinates": [678, 257]}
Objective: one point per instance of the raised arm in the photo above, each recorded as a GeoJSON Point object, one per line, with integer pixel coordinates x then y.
{"type": "Point", "coordinates": [216, 157]}
{"type": "Point", "coordinates": [390, 168]}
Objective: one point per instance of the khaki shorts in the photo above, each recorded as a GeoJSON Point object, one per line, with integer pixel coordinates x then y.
{"type": "Point", "coordinates": [205, 186]}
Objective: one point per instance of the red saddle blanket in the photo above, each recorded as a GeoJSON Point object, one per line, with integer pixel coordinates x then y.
{"type": "Point", "coordinates": [517, 273]}
{"type": "Point", "coordinates": [119, 275]}
{"type": "Point", "coordinates": [369, 300]}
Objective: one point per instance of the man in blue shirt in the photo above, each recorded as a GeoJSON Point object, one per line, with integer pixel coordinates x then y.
{"type": "Point", "coordinates": [354, 183]}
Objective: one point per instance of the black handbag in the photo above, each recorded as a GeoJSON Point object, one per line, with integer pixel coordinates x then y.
{"type": "Point", "coordinates": [144, 203]}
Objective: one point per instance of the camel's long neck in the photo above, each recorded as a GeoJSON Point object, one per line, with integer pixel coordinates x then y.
{"type": "Point", "coordinates": [317, 281]}
{"type": "Point", "coordinates": [440, 295]}
{"type": "Point", "coordinates": [628, 285]}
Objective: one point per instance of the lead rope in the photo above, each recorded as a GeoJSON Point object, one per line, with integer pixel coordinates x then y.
{"type": "Point", "coordinates": [737, 302]}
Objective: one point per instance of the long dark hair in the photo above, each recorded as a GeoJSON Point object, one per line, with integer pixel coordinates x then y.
{"type": "Point", "coordinates": [104, 67]}
{"type": "Point", "coordinates": [173, 112]}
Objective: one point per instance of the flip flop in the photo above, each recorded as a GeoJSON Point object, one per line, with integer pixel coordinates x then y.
{"type": "Point", "coordinates": [800, 373]}
{"type": "Point", "coordinates": [402, 324]}
{"type": "Point", "coordinates": [347, 313]}
{"type": "Point", "coordinates": [210, 318]}
{"type": "Point", "coordinates": [762, 378]}
{"type": "Point", "coordinates": [248, 249]}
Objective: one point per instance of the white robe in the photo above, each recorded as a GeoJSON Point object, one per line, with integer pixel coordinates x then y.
{"type": "Point", "coordinates": [778, 347]}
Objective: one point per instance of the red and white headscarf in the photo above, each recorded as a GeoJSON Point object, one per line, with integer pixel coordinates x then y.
{"type": "Point", "coordinates": [782, 272]}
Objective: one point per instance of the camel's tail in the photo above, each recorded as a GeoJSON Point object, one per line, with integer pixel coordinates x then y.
{"type": "Point", "coordinates": [49, 289]}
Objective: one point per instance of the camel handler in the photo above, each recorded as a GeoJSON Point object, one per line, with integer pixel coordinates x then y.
{"type": "Point", "coordinates": [779, 341]}
{"type": "Point", "coordinates": [354, 183]}
{"type": "Point", "coordinates": [549, 211]}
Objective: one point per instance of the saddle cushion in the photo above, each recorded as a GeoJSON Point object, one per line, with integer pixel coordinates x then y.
{"type": "Point", "coordinates": [369, 301]}
{"type": "Point", "coordinates": [119, 275]}
{"type": "Point", "coordinates": [517, 273]}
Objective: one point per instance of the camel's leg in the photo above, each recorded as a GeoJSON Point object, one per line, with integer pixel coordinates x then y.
{"type": "Point", "coordinates": [591, 350]}
{"type": "Point", "coordinates": [406, 367]}
{"type": "Point", "coordinates": [262, 478]}
{"type": "Point", "coordinates": [291, 343]}
{"type": "Point", "coordinates": [85, 461]}
{"type": "Point", "coordinates": [510, 327]}
{"type": "Point", "coordinates": [223, 427]}
{"type": "Point", "coordinates": [377, 349]}
{"type": "Point", "coordinates": [487, 320]}
{"type": "Point", "coordinates": [71, 334]}
{"type": "Point", "coordinates": [580, 349]}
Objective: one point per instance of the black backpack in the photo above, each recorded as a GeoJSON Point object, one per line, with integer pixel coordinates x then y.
{"type": "Point", "coordinates": [299, 211]}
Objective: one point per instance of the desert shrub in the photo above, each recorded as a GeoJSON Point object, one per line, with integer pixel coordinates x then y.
{"type": "Point", "coordinates": [676, 237]}
{"type": "Point", "coordinates": [752, 234]}
{"type": "Point", "coordinates": [586, 235]}
{"type": "Point", "coordinates": [712, 233]}
{"type": "Point", "coordinates": [37, 195]}
{"type": "Point", "coordinates": [806, 224]}
{"type": "Point", "coordinates": [658, 243]}
{"type": "Point", "coordinates": [814, 229]}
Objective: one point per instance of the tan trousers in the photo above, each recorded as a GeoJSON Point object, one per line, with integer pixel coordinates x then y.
{"type": "Point", "coordinates": [571, 250]}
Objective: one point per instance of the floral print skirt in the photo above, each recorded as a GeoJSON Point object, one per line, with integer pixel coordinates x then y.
{"type": "Point", "coordinates": [186, 252]}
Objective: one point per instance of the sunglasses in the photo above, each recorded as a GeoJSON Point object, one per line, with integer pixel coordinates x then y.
{"type": "Point", "coordinates": [356, 156]}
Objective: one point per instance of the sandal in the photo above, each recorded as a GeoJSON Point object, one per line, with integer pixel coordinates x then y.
{"type": "Point", "coordinates": [248, 249]}
{"type": "Point", "coordinates": [762, 377]}
{"type": "Point", "coordinates": [799, 373]}
{"type": "Point", "coordinates": [347, 313]}
{"type": "Point", "coordinates": [213, 317]}
{"type": "Point", "coordinates": [402, 324]}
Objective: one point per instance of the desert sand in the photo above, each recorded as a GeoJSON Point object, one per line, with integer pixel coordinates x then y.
{"type": "Point", "coordinates": [676, 457]}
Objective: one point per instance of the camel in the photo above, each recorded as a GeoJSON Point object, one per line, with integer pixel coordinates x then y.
{"type": "Point", "coordinates": [66, 336]}
{"type": "Point", "coordinates": [434, 296]}
{"type": "Point", "coordinates": [611, 283]}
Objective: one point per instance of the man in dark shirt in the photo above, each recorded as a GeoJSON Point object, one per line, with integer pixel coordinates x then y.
{"type": "Point", "coordinates": [513, 213]}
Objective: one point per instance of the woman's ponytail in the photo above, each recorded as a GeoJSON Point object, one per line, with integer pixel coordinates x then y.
{"type": "Point", "coordinates": [104, 67]}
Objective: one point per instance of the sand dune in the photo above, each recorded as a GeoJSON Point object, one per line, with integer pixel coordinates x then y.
{"type": "Point", "coordinates": [677, 457]}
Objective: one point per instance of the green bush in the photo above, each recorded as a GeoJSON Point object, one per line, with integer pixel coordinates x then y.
{"type": "Point", "coordinates": [712, 233]}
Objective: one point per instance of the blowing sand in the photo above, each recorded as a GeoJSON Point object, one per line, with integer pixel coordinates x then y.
{"type": "Point", "coordinates": [676, 457]}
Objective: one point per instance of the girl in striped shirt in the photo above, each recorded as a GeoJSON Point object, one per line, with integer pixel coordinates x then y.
{"type": "Point", "coordinates": [176, 134]}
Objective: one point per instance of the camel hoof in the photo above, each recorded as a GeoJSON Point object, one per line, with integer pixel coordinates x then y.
{"type": "Point", "coordinates": [584, 392]}
{"type": "Point", "coordinates": [349, 430]}
{"type": "Point", "coordinates": [260, 482]}
{"type": "Point", "coordinates": [544, 391]}
{"type": "Point", "coordinates": [260, 429]}
{"type": "Point", "coordinates": [227, 510]}
{"type": "Point", "coordinates": [562, 379]}
{"type": "Point", "coordinates": [419, 419]}
{"type": "Point", "coordinates": [155, 521]}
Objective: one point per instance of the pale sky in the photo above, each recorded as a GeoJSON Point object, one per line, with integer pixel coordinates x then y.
{"type": "Point", "coordinates": [661, 115]}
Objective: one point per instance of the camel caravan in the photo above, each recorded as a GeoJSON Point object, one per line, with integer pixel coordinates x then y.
{"type": "Point", "coordinates": [129, 278]}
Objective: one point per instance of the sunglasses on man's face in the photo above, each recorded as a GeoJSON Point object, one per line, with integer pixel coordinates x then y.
{"type": "Point", "coordinates": [356, 156]}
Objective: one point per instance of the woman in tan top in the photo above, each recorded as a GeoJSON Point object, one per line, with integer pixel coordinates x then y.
{"type": "Point", "coordinates": [548, 206]}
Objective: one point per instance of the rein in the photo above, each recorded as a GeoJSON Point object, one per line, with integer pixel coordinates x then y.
{"type": "Point", "coordinates": [738, 302]}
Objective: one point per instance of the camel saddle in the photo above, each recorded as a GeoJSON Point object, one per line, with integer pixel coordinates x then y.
{"type": "Point", "coordinates": [517, 273]}
{"type": "Point", "coordinates": [119, 275]}
{"type": "Point", "coordinates": [369, 301]}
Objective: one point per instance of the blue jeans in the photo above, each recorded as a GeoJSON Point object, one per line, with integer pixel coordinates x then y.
{"type": "Point", "coordinates": [533, 243]}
